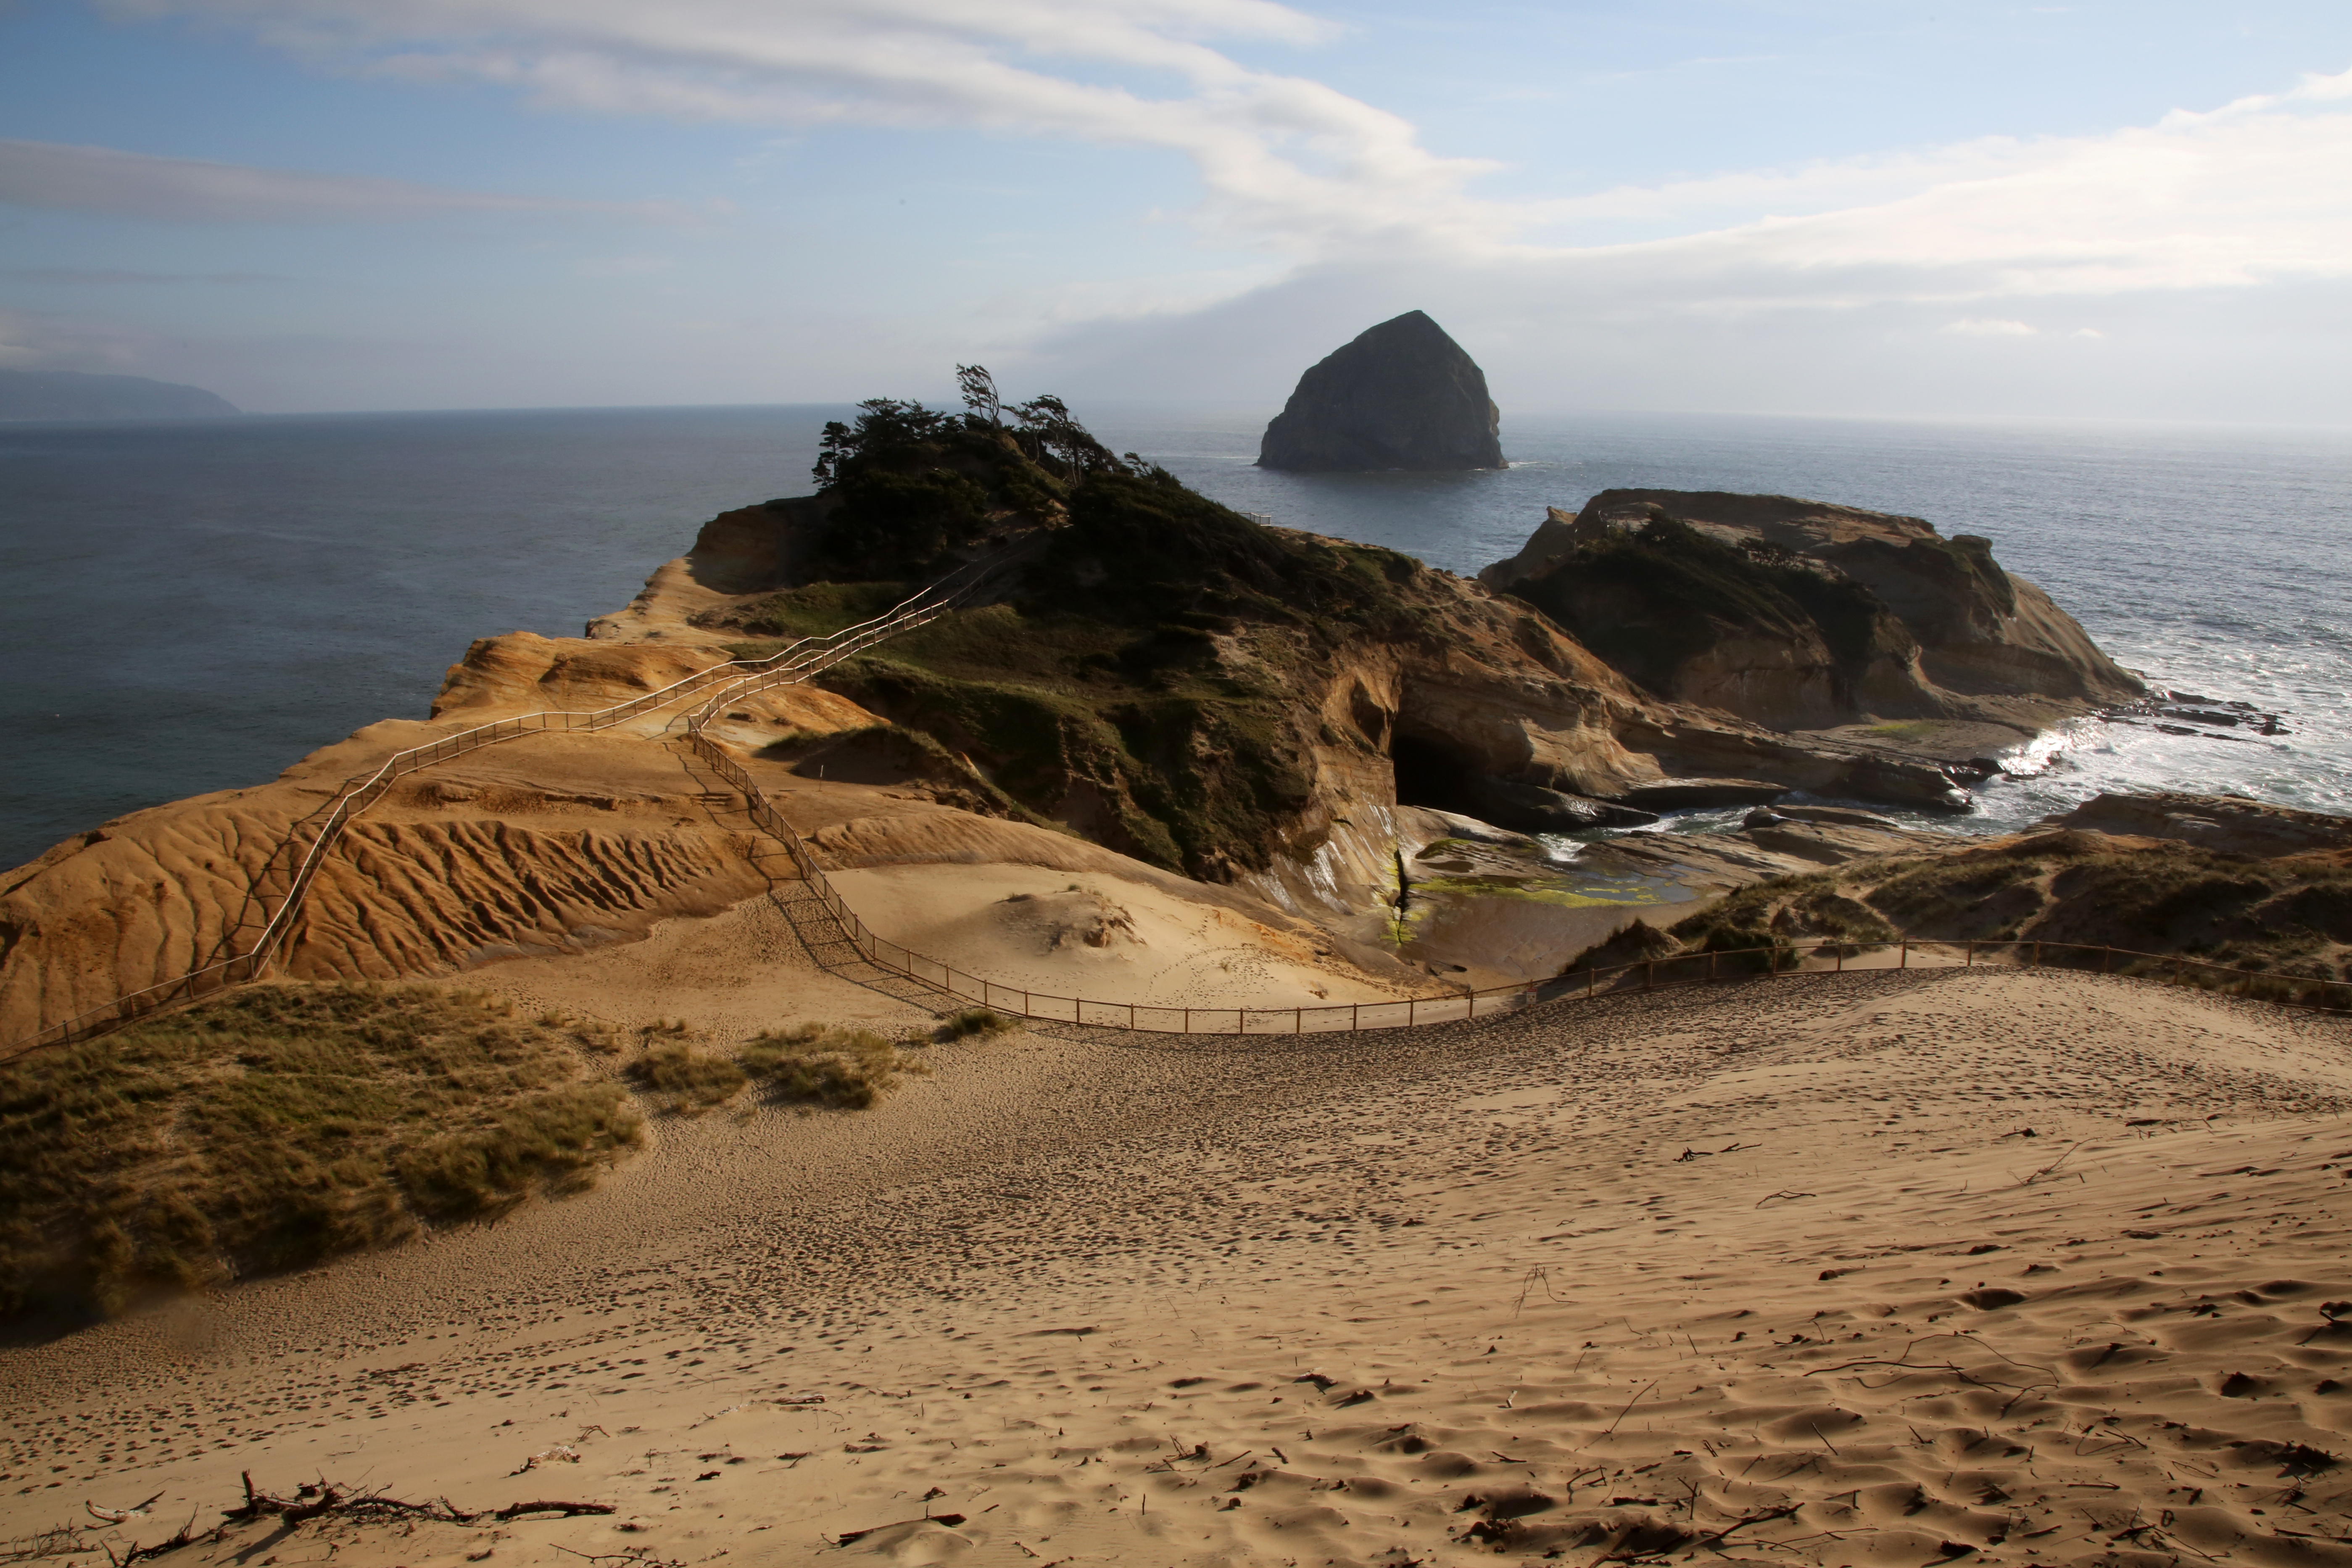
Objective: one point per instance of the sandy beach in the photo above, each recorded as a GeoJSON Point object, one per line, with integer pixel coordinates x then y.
{"type": "Point", "coordinates": [1874, 1269]}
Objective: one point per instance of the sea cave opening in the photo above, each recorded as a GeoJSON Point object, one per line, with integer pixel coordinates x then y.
{"type": "Point", "coordinates": [1433, 773]}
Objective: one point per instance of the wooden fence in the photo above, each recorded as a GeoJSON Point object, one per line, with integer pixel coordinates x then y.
{"type": "Point", "coordinates": [1803, 958]}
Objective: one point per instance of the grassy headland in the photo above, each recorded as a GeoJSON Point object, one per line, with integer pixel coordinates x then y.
{"type": "Point", "coordinates": [1144, 671]}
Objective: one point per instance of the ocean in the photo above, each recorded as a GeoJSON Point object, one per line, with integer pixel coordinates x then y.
{"type": "Point", "coordinates": [194, 606]}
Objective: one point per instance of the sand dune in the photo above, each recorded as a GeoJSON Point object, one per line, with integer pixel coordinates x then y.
{"type": "Point", "coordinates": [1109, 937]}
{"type": "Point", "coordinates": [1877, 1269]}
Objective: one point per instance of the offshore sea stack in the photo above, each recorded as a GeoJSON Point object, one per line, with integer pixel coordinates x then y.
{"type": "Point", "coordinates": [1402, 395]}
{"type": "Point", "coordinates": [1802, 615]}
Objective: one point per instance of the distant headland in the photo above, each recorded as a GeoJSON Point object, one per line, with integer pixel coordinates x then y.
{"type": "Point", "coordinates": [76, 394]}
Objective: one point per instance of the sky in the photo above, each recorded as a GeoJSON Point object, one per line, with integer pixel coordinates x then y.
{"type": "Point", "coordinates": [2120, 209]}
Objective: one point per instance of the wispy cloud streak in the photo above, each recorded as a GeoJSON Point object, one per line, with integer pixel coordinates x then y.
{"type": "Point", "coordinates": [2257, 190]}
{"type": "Point", "coordinates": [186, 190]}
{"type": "Point", "coordinates": [1281, 158]}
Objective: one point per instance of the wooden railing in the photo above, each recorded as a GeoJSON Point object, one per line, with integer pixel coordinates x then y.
{"type": "Point", "coordinates": [1408, 1012]}
{"type": "Point", "coordinates": [278, 891]}
{"type": "Point", "coordinates": [1814, 957]}
{"type": "Point", "coordinates": [297, 860]}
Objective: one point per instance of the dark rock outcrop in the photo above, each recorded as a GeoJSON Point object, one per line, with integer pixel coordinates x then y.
{"type": "Point", "coordinates": [1674, 794]}
{"type": "Point", "coordinates": [2249, 898]}
{"type": "Point", "coordinates": [1402, 395]}
{"type": "Point", "coordinates": [1802, 614]}
{"type": "Point", "coordinates": [72, 395]}
{"type": "Point", "coordinates": [1531, 808]}
{"type": "Point", "coordinates": [2225, 823]}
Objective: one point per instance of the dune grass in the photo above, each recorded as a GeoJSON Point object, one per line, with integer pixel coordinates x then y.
{"type": "Point", "coordinates": [971, 1021]}
{"type": "Point", "coordinates": [277, 1127]}
{"type": "Point", "coordinates": [1775, 916]}
{"type": "Point", "coordinates": [817, 1064]}
{"type": "Point", "coordinates": [686, 1080]}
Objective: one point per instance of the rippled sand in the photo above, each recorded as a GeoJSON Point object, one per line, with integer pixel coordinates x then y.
{"type": "Point", "coordinates": [1881, 1268]}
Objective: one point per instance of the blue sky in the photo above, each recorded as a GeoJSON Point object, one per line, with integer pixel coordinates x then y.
{"type": "Point", "coordinates": [2104, 210]}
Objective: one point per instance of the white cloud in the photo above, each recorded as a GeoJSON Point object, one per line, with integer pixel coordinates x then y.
{"type": "Point", "coordinates": [2256, 191]}
{"type": "Point", "coordinates": [187, 190]}
{"type": "Point", "coordinates": [1806, 266]}
{"type": "Point", "coordinates": [1282, 157]}
{"type": "Point", "coordinates": [2219, 201]}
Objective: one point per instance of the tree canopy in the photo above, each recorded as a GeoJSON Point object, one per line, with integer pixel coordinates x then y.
{"type": "Point", "coordinates": [913, 484]}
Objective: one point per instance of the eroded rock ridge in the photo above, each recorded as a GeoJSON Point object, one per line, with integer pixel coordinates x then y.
{"type": "Point", "coordinates": [1802, 614]}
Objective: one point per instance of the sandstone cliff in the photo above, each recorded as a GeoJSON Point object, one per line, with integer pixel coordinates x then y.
{"type": "Point", "coordinates": [1802, 614]}
{"type": "Point", "coordinates": [1402, 395]}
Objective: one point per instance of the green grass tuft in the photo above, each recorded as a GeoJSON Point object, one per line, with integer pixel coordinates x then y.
{"type": "Point", "coordinates": [848, 1069]}
{"type": "Point", "coordinates": [277, 1127]}
{"type": "Point", "coordinates": [688, 1079]}
{"type": "Point", "coordinates": [971, 1021]}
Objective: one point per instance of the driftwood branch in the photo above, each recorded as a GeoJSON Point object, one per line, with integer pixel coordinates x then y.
{"type": "Point", "coordinates": [1743, 1522]}
{"type": "Point", "coordinates": [313, 1502]}
{"type": "Point", "coordinates": [137, 1553]}
{"type": "Point", "coordinates": [61, 1541]}
{"type": "Point", "coordinates": [2031, 1177]}
{"type": "Point", "coordinates": [634, 1557]}
{"type": "Point", "coordinates": [568, 1509]}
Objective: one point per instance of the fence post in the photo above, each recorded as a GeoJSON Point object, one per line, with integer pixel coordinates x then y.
{"type": "Point", "coordinates": [1649, 973]}
{"type": "Point", "coordinates": [1841, 957]}
{"type": "Point", "coordinates": [1972, 953]}
{"type": "Point", "coordinates": [1711, 957]}
{"type": "Point", "coordinates": [1299, 1020]}
{"type": "Point", "coordinates": [1355, 1017]}
{"type": "Point", "coordinates": [1410, 1003]}
{"type": "Point", "coordinates": [1187, 1020]}
{"type": "Point", "coordinates": [1590, 975]}
{"type": "Point", "coordinates": [2037, 955]}
{"type": "Point", "coordinates": [1906, 960]}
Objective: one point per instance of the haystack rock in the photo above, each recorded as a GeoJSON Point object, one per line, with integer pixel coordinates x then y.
{"type": "Point", "coordinates": [1402, 395]}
